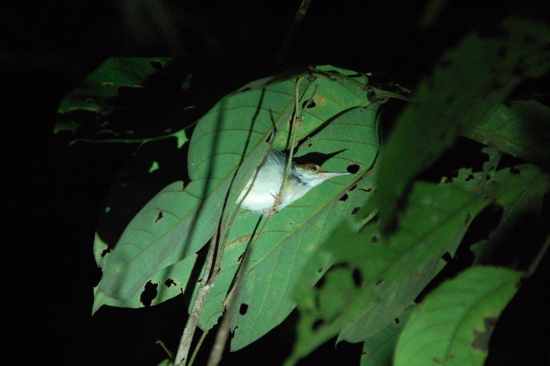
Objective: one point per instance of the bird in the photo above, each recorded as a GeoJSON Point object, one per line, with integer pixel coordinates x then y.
{"type": "Point", "coordinates": [263, 190]}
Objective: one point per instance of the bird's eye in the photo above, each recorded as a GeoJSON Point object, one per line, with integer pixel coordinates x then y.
{"type": "Point", "coordinates": [314, 168]}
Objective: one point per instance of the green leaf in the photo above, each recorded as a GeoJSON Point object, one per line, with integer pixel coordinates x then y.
{"type": "Point", "coordinates": [453, 325]}
{"type": "Point", "coordinates": [522, 130]}
{"type": "Point", "coordinates": [468, 84]}
{"type": "Point", "coordinates": [389, 271]}
{"type": "Point", "coordinates": [102, 84]}
{"type": "Point", "coordinates": [523, 188]}
{"type": "Point", "coordinates": [379, 350]}
{"type": "Point", "coordinates": [227, 145]}
{"type": "Point", "coordinates": [294, 234]}
{"type": "Point", "coordinates": [351, 131]}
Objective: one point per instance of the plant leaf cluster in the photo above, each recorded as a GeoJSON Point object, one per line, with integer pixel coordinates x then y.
{"type": "Point", "coordinates": [355, 253]}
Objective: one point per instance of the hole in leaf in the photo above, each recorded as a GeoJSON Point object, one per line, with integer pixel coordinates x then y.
{"type": "Point", "coordinates": [447, 257]}
{"type": "Point", "coordinates": [159, 217]}
{"type": "Point", "coordinates": [374, 239]}
{"type": "Point", "coordinates": [309, 104]}
{"type": "Point", "coordinates": [318, 324]}
{"type": "Point", "coordinates": [509, 161]}
{"type": "Point", "coordinates": [243, 309]}
{"type": "Point", "coordinates": [514, 170]}
{"type": "Point", "coordinates": [157, 65]}
{"type": "Point", "coordinates": [379, 282]}
{"type": "Point", "coordinates": [105, 252]}
{"type": "Point", "coordinates": [470, 177]}
{"type": "Point", "coordinates": [344, 197]}
{"type": "Point", "coordinates": [148, 294]}
{"type": "Point", "coordinates": [464, 154]}
{"type": "Point", "coordinates": [354, 168]}
{"type": "Point", "coordinates": [169, 282]}
{"type": "Point", "coordinates": [357, 277]}
{"type": "Point", "coordinates": [245, 89]}
{"type": "Point", "coordinates": [268, 139]}
{"type": "Point", "coordinates": [355, 210]}
{"type": "Point", "coordinates": [396, 320]}
{"type": "Point", "coordinates": [352, 187]}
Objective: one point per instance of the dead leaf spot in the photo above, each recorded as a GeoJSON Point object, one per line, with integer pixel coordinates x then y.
{"type": "Point", "coordinates": [242, 239]}
{"type": "Point", "coordinates": [321, 100]}
{"type": "Point", "coordinates": [481, 340]}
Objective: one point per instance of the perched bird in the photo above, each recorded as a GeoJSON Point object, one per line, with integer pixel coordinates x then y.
{"type": "Point", "coordinates": [264, 186]}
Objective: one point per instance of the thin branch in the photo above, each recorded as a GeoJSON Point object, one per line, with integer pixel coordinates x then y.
{"type": "Point", "coordinates": [233, 294]}
{"type": "Point", "coordinates": [193, 319]}
{"type": "Point", "coordinates": [194, 355]}
{"type": "Point", "coordinates": [300, 15]}
{"type": "Point", "coordinates": [538, 258]}
{"type": "Point", "coordinates": [297, 119]}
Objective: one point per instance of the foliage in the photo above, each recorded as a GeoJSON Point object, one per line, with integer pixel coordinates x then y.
{"type": "Point", "coordinates": [355, 253]}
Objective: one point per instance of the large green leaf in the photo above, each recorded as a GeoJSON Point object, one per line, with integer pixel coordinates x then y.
{"type": "Point", "coordinates": [386, 273]}
{"type": "Point", "coordinates": [227, 145]}
{"type": "Point", "coordinates": [453, 325]}
{"type": "Point", "coordinates": [470, 82]}
{"type": "Point", "coordinates": [382, 268]}
{"type": "Point", "coordinates": [293, 235]}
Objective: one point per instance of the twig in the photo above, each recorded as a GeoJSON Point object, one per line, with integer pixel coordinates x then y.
{"type": "Point", "coordinates": [233, 294]}
{"type": "Point", "coordinates": [538, 258]}
{"type": "Point", "coordinates": [193, 319]}
{"type": "Point", "coordinates": [196, 350]}
{"type": "Point", "coordinates": [170, 354]}
{"type": "Point", "coordinates": [300, 15]}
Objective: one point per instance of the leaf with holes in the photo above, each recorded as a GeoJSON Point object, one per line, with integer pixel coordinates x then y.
{"type": "Point", "coordinates": [227, 145]}
{"type": "Point", "coordinates": [390, 271]}
{"type": "Point", "coordinates": [454, 323]}
{"type": "Point", "coordinates": [294, 234]}
{"type": "Point", "coordinates": [463, 91]}
{"type": "Point", "coordinates": [386, 269]}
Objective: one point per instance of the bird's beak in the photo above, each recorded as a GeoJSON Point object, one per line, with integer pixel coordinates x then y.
{"type": "Point", "coordinates": [328, 175]}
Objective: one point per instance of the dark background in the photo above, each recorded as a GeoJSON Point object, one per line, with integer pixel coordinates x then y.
{"type": "Point", "coordinates": [53, 192]}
